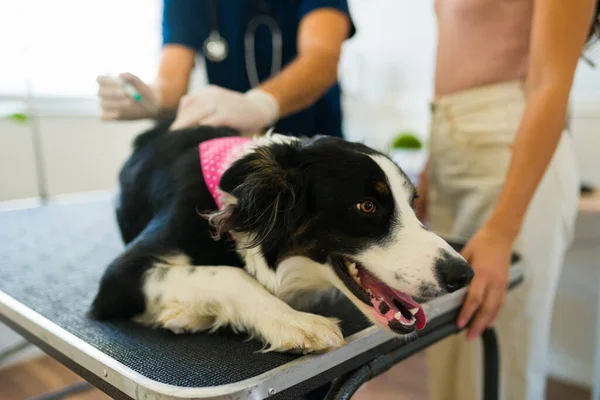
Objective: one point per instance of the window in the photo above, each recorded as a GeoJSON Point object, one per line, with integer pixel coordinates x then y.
{"type": "Point", "coordinates": [58, 47]}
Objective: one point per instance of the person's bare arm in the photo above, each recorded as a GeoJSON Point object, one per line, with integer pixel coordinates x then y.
{"type": "Point", "coordinates": [173, 77]}
{"type": "Point", "coordinates": [303, 81]}
{"type": "Point", "coordinates": [558, 37]}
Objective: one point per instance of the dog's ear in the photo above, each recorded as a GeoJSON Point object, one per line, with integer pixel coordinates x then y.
{"type": "Point", "coordinates": [268, 194]}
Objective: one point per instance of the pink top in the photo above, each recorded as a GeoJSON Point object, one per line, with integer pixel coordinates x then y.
{"type": "Point", "coordinates": [216, 155]}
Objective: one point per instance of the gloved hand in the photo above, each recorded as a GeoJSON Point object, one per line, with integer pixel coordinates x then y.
{"type": "Point", "coordinates": [247, 112]}
{"type": "Point", "coordinates": [117, 104]}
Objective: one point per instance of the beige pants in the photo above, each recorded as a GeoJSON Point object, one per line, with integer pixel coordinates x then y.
{"type": "Point", "coordinates": [471, 137]}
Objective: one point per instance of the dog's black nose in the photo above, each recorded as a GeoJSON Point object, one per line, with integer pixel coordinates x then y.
{"type": "Point", "coordinates": [453, 272]}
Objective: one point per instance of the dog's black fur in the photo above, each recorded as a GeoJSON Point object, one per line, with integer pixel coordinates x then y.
{"type": "Point", "coordinates": [290, 199]}
{"type": "Point", "coordinates": [163, 196]}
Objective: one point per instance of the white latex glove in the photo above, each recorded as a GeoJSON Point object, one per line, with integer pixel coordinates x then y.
{"type": "Point", "coordinates": [117, 103]}
{"type": "Point", "coordinates": [247, 112]}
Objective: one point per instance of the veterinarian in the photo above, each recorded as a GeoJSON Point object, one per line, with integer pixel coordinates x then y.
{"type": "Point", "coordinates": [502, 173]}
{"type": "Point", "coordinates": [269, 63]}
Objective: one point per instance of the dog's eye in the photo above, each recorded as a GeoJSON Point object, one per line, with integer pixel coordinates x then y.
{"type": "Point", "coordinates": [367, 207]}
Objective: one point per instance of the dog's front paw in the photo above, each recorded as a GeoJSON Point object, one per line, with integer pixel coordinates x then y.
{"type": "Point", "coordinates": [179, 319]}
{"type": "Point", "coordinates": [303, 333]}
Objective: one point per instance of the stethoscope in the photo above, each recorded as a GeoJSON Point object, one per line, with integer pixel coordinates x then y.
{"type": "Point", "coordinates": [216, 48]}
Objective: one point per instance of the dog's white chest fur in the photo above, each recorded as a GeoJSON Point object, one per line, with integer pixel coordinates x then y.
{"type": "Point", "coordinates": [293, 280]}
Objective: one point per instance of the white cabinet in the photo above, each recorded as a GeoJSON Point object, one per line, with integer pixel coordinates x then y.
{"type": "Point", "coordinates": [18, 176]}
{"type": "Point", "coordinates": [82, 153]}
{"type": "Point", "coordinates": [77, 154]}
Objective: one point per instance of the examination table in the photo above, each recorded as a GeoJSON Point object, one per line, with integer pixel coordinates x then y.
{"type": "Point", "coordinates": [51, 259]}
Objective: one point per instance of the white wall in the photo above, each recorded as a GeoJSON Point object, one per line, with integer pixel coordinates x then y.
{"type": "Point", "coordinates": [386, 70]}
{"type": "Point", "coordinates": [79, 153]}
{"type": "Point", "coordinates": [574, 318]}
{"type": "Point", "coordinates": [18, 177]}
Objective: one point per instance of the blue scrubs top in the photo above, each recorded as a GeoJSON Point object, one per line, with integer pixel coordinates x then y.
{"type": "Point", "coordinates": [188, 23]}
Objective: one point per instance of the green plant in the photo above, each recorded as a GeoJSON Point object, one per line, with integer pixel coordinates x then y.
{"type": "Point", "coordinates": [19, 117]}
{"type": "Point", "coordinates": [407, 141]}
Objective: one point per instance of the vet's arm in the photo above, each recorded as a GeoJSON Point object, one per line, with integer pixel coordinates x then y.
{"type": "Point", "coordinates": [558, 37]}
{"type": "Point", "coordinates": [176, 64]}
{"type": "Point", "coordinates": [314, 71]}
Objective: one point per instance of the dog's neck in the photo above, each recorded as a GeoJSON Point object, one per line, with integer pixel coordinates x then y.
{"type": "Point", "coordinates": [295, 277]}
{"type": "Point", "coordinates": [293, 280]}
{"type": "Point", "coordinates": [216, 155]}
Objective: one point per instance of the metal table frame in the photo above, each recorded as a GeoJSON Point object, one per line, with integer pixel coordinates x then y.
{"type": "Point", "coordinates": [366, 354]}
{"type": "Point", "coordinates": [348, 384]}
{"type": "Point", "coordinates": [120, 382]}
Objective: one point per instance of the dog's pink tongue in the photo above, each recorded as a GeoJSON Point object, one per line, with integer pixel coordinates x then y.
{"type": "Point", "coordinates": [383, 302]}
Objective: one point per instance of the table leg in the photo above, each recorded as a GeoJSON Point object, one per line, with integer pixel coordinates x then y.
{"type": "Point", "coordinates": [345, 386]}
{"type": "Point", "coordinates": [491, 364]}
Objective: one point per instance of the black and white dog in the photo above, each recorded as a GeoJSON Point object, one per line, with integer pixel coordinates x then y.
{"type": "Point", "coordinates": [299, 218]}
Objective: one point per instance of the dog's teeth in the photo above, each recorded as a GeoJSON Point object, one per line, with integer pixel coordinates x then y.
{"type": "Point", "coordinates": [398, 315]}
{"type": "Point", "coordinates": [409, 323]}
{"type": "Point", "coordinates": [352, 269]}
{"type": "Point", "coordinates": [413, 311]}
{"type": "Point", "coordinates": [369, 291]}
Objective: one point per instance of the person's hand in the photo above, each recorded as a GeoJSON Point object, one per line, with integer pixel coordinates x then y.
{"type": "Point", "coordinates": [247, 112]}
{"type": "Point", "coordinates": [489, 253]}
{"type": "Point", "coordinates": [116, 103]}
{"type": "Point", "coordinates": [421, 201]}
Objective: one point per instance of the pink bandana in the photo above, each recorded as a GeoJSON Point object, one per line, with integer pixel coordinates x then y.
{"type": "Point", "coordinates": [216, 155]}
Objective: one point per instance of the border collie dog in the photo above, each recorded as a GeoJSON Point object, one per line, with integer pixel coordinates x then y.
{"type": "Point", "coordinates": [221, 230]}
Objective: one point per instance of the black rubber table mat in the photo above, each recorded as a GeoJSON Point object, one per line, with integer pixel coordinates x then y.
{"type": "Point", "coordinates": [51, 259]}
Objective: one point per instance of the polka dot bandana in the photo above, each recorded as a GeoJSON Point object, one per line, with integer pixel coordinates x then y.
{"type": "Point", "coordinates": [216, 155]}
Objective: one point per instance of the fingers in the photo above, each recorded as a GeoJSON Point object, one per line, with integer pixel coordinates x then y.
{"type": "Point", "coordinates": [474, 299]}
{"type": "Point", "coordinates": [193, 110]}
{"type": "Point", "coordinates": [214, 120]}
{"type": "Point", "coordinates": [186, 101]}
{"type": "Point", "coordinates": [106, 81]}
{"type": "Point", "coordinates": [134, 80]}
{"type": "Point", "coordinates": [112, 93]}
{"type": "Point", "coordinates": [475, 295]}
{"type": "Point", "coordinates": [144, 90]}
{"type": "Point", "coordinates": [192, 115]}
{"type": "Point", "coordinates": [110, 115]}
{"type": "Point", "coordinates": [467, 252]}
{"type": "Point", "coordinates": [487, 313]}
{"type": "Point", "coordinates": [121, 108]}
{"type": "Point", "coordinates": [117, 103]}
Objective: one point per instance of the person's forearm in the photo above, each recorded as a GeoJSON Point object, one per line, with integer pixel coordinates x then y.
{"type": "Point", "coordinates": [542, 125]}
{"type": "Point", "coordinates": [303, 81]}
{"type": "Point", "coordinates": [173, 76]}
{"type": "Point", "coordinates": [306, 79]}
